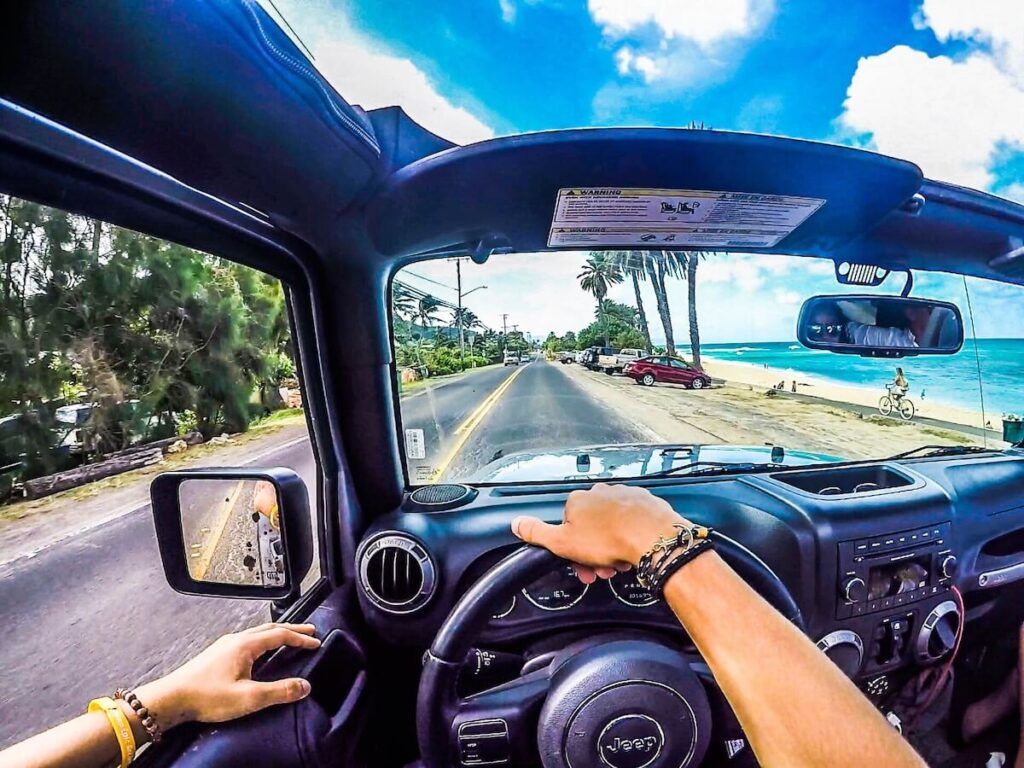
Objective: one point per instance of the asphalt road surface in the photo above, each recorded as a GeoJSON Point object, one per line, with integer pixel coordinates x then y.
{"type": "Point", "coordinates": [93, 612]}
{"type": "Point", "coordinates": [472, 420]}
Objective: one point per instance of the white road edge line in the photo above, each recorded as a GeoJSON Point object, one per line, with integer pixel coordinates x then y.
{"type": "Point", "coordinates": [129, 510]}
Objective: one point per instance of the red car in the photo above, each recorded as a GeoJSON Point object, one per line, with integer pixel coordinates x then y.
{"type": "Point", "coordinates": [672, 370]}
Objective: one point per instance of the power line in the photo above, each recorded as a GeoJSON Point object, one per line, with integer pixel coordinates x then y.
{"type": "Point", "coordinates": [292, 30]}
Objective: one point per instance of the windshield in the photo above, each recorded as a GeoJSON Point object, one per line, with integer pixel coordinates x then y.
{"type": "Point", "coordinates": [720, 380]}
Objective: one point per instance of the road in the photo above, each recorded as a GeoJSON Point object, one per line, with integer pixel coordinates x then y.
{"type": "Point", "coordinates": [92, 611]}
{"type": "Point", "coordinates": [541, 408]}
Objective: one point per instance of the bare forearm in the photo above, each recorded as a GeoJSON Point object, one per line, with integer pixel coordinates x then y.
{"type": "Point", "coordinates": [85, 741]}
{"type": "Point", "coordinates": [795, 706]}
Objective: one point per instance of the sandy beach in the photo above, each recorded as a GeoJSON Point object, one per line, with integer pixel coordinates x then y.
{"type": "Point", "coordinates": [764, 378]}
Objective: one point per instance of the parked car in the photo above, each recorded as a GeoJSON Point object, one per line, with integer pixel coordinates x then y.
{"type": "Point", "coordinates": [566, 357]}
{"type": "Point", "coordinates": [670, 370]}
{"type": "Point", "coordinates": [511, 358]}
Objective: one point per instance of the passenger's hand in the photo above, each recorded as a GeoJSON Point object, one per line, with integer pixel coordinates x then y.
{"type": "Point", "coordinates": [606, 529]}
{"type": "Point", "coordinates": [217, 684]}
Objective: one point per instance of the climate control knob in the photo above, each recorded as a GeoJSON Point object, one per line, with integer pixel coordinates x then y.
{"type": "Point", "coordinates": [948, 566]}
{"type": "Point", "coordinates": [853, 589]}
{"type": "Point", "coordinates": [937, 636]}
{"type": "Point", "coordinates": [845, 649]}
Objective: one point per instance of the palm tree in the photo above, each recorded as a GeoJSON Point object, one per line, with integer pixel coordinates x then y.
{"type": "Point", "coordinates": [600, 273]}
{"type": "Point", "coordinates": [692, 259]}
{"type": "Point", "coordinates": [632, 263]}
{"type": "Point", "coordinates": [426, 310]}
{"type": "Point", "coordinates": [661, 265]}
{"type": "Point", "coordinates": [403, 305]}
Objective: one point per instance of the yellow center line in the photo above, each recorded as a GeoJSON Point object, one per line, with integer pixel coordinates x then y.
{"type": "Point", "coordinates": [465, 429]}
{"type": "Point", "coordinates": [200, 568]}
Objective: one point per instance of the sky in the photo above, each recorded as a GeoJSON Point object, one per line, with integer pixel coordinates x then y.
{"type": "Point", "coordinates": [937, 82]}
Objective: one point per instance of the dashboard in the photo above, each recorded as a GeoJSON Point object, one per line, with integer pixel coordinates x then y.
{"type": "Point", "coordinates": [890, 563]}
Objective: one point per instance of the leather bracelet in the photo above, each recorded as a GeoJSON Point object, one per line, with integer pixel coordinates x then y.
{"type": "Point", "coordinates": [650, 563]}
{"type": "Point", "coordinates": [147, 718]}
{"type": "Point", "coordinates": [672, 566]}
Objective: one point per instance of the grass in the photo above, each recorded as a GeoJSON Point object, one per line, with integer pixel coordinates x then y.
{"type": "Point", "coordinates": [268, 425]}
{"type": "Point", "coordinates": [414, 386]}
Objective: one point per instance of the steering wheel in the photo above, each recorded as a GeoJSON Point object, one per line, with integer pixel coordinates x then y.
{"type": "Point", "coordinates": [625, 700]}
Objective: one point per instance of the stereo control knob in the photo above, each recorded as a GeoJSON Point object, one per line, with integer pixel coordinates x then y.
{"type": "Point", "coordinates": [948, 566]}
{"type": "Point", "coordinates": [853, 590]}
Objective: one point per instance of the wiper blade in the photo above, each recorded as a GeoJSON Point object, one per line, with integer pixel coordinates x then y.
{"type": "Point", "coordinates": [711, 468]}
{"type": "Point", "coordinates": [924, 451]}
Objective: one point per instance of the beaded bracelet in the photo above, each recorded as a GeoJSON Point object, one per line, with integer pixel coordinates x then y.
{"type": "Point", "coordinates": [147, 718]}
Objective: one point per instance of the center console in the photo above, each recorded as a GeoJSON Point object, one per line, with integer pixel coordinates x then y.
{"type": "Point", "coordinates": [895, 603]}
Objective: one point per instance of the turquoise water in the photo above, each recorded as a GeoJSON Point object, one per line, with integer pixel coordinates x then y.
{"type": "Point", "coordinates": [951, 379]}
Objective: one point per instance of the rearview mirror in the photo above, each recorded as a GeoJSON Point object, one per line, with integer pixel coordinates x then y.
{"type": "Point", "coordinates": [880, 326]}
{"type": "Point", "coordinates": [233, 532]}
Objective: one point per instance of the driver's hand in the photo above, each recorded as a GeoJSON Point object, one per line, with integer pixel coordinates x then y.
{"type": "Point", "coordinates": [217, 684]}
{"type": "Point", "coordinates": [606, 529]}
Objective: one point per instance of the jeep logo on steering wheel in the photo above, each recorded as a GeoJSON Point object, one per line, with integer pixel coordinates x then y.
{"type": "Point", "coordinates": [630, 741]}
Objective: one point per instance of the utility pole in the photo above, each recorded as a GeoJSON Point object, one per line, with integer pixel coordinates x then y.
{"type": "Point", "coordinates": [504, 332]}
{"type": "Point", "coordinates": [458, 288]}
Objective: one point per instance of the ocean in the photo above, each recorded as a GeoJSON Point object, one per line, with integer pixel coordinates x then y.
{"type": "Point", "coordinates": [947, 379]}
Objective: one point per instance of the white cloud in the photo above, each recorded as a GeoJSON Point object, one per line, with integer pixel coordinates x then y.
{"type": "Point", "coordinates": [998, 24]}
{"type": "Point", "coordinates": [365, 73]}
{"type": "Point", "coordinates": [628, 62]}
{"type": "Point", "coordinates": [508, 10]}
{"type": "Point", "coordinates": [664, 48]}
{"type": "Point", "coordinates": [705, 22]}
{"type": "Point", "coordinates": [950, 117]}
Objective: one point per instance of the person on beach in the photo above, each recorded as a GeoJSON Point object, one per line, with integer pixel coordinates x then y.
{"type": "Point", "coordinates": [900, 386]}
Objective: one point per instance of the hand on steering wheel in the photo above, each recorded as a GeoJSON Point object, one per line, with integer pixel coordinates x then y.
{"type": "Point", "coordinates": [606, 529]}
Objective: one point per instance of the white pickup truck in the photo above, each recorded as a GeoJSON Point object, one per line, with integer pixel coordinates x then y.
{"type": "Point", "coordinates": [612, 360]}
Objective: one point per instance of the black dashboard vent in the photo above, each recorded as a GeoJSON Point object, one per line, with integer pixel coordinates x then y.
{"type": "Point", "coordinates": [436, 498]}
{"type": "Point", "coordinates": [396, 573]}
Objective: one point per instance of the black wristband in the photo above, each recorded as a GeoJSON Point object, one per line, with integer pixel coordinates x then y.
{"type": "Point", "coordinates": [666, 571]}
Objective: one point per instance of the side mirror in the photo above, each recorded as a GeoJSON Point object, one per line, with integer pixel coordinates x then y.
{"type": "Point", "coordinates": [243, 533]}
{"type": "Point", "coordinates": [880, 326]}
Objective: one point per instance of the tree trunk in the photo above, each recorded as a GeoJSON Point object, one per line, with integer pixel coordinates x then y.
{"type": "Point", "coordinates": [600, 319]}
{"type": "Point", "coordinates": [691, 291]}
{"type": "Point", "coordinates": [657, 274]}
{"type": "Point", "coordinates": [44, 486]}
{"type": "Point", "coordinates": [97, 232]}
{"type": "Point", "coordinates": [644, 328]}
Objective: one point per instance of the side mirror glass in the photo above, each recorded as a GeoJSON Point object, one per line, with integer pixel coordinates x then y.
{"type": "Point", "coordinates": [233, 532]}
{"type": "Point", "coordinates": [880, 326]}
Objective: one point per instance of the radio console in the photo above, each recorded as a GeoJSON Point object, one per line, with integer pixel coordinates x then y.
{"type": "Point", "coordinates": [893, 570]}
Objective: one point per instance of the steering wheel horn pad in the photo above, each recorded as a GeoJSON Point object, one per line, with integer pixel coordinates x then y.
{"type": "Point", "coordinates": [625, 703]}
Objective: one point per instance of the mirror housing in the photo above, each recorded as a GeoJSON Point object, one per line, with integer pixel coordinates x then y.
{"type": "Point", "coordinates": [289, 543]}
{"type": "Point", "coordinates": [880, 326]}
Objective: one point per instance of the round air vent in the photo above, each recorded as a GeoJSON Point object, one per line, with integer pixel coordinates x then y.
{"type": "Point", "coordinates": [396, 573]}
{"type": "Point", "coordinates": [436, 498]}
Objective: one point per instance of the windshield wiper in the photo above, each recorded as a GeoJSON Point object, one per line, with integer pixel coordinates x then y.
{"type": "Point", "coordinates": [925, 451]}
{"type": "Point", "coordinates": [712, 468]}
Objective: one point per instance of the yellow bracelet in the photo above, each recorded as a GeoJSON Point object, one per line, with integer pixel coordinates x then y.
{"type": "Point", "coordinates": [119, 722]}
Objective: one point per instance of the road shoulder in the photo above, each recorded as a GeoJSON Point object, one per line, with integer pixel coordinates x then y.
{"type": "Point", "coordinates": [30, 527]}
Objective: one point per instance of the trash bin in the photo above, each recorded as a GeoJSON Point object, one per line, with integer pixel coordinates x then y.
{"type": "Point", "coordinates": [1013, 429]}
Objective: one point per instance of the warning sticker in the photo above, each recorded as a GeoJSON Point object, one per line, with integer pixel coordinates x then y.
{"type": "Point", "coordinates": [662, 218]}
{"type": "Point", "coordinates": [415, 445]}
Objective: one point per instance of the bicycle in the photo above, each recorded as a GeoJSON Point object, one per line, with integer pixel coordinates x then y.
{"type": "Point", "coordinates": [896, 401]}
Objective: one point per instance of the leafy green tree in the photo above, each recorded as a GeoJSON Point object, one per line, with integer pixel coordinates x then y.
{"type": "Point", "coordinates": [143, 330]}
{"type": "Point", "coordinates": [599, 273]}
